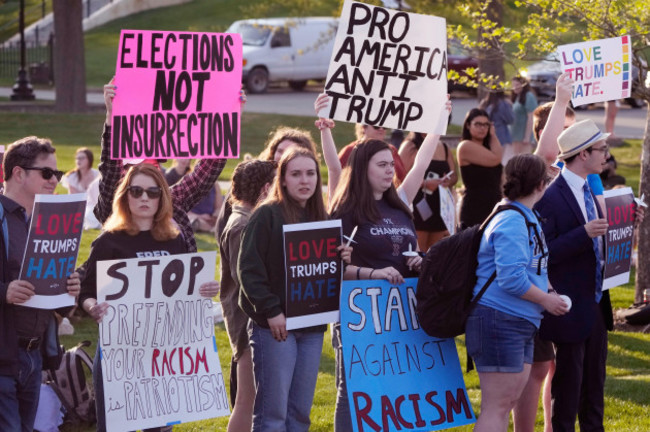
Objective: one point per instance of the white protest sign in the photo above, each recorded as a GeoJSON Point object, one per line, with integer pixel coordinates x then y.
{"type": "Point", "coordinates": [448, 208]}
{"type": "Point", "coordinates": [159, 357]}
{"type": "Point", "coordinates": [602, 69]}
{"type": "Point", "coordinates": [388, 68]}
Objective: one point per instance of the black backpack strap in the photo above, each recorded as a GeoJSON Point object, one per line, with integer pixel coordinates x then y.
{"type": "Point", "coordinates": [529, 224]}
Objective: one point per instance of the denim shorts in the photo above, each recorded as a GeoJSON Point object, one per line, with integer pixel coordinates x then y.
{"type": "Point", "coordinates": [499, 342]}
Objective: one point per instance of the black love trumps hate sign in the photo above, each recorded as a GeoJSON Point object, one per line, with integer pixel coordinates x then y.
{"type": "Point", "coordinates": [388, 68]}
{"type": "Point", "coordinates": [159, 356]}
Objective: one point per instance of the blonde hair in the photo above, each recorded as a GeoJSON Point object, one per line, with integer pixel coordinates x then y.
{"type": "Point", "coordinates": [163, 227]}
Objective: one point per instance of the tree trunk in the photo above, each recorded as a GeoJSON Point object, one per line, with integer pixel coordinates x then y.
{"type": "Point", "coordinates": [643, 270]}
{"type": "Point", "coordinates": [69, 63]}
{"type": "Point", "coordinates": [490, 61]}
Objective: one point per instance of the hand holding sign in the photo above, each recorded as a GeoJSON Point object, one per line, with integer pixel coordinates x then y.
{"type": "Point", "coordinates": [278, 327]}
{"type": "Point", "coordinates": [345, 251]}
{"type": "Point", "coordinates": [97, 311]}
{"type": "Point", "coordinates": [74, 284]}
{"type": "Point", "coordinates": [596, 227]}
{"type": "Point", "coordinates": [321, 105]}
{"type": "Point", "coordinates": [209, 289]}
{"type": "Point", "coordinates": [390, 274]}
{"type": "Point", "coordinates": [19, 291]}
{"type": "Point", "coordinates": [564, 88]}
{"type": "Point", "coordinates": [109, 94]}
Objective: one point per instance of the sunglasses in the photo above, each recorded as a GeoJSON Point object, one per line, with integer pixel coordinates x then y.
{"type": "Point", "coordinates": [137, 191]}
{"type": "Point", "coordinates": [46, 172]}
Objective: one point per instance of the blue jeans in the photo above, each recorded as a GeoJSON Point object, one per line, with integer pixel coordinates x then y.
{"type": "Point", "coordinates": [342, 414]}
{"type": "Point", "coordinates": [285, 378]}
{"type": "Point", "coordinates": [19, 395]}
{"type": "Point", "coordinates": [98, 385]}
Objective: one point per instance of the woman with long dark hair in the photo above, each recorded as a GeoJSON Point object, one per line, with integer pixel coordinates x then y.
{"type": "Point", "coordinates": [502, 116]}
{"type": "Point", "coordinates": [79, 179]}
{"type": "Point", "coordinates": [479, 157]}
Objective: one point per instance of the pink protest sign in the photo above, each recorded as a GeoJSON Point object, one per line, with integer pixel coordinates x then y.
{"type": "Point", "coordinates": [177, 95]}
{"type": "Point", "coordinates": [602, 69]}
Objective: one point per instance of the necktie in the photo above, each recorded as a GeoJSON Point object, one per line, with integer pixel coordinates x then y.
{"type": "Point", "coordinates": [590, 206]}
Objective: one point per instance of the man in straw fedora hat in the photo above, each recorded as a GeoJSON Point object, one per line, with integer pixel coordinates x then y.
{"type": "Point", "coordinates": [574, 227]}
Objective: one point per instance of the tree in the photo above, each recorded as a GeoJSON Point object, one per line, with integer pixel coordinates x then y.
{"type": "Point", "coordinates": [69, 64]}
{"type": "Point", "coordinates": [549, 24]}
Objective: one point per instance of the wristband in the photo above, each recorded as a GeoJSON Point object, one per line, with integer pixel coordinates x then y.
{"type": "Point", "coordinates": [358, 271]}
{"type": "Point", "coordinates": [371, 272]}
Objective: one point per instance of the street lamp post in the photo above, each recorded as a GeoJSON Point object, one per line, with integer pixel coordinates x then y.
{"type": "Point", "coordinates": [22, 90]}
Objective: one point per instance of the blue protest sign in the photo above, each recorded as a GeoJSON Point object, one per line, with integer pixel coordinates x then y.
{"type": "Point", "coordinates": [398, 377]}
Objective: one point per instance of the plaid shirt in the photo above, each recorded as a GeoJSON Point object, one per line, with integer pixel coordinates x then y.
{"type": "Point", "coordinates": [185, 194]}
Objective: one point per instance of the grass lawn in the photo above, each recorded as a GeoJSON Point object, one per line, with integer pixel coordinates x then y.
{"type": "Point", "coordinates": [628, 362]}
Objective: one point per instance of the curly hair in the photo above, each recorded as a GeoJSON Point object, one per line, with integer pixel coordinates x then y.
{"type": "Point", "coordinates": [163, 227]}
{"type": "Point", "coordinates": [248, 179]}
{"type": "Point", "coordinates": [300, 137]}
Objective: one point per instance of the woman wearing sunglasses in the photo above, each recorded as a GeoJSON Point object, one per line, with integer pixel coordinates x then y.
{"type": "Point", "coordinates": [141, 222]}
{"type": "Point", "coordinates": [479, 158]}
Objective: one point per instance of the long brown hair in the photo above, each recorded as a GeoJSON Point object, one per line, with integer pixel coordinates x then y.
{"type": "Point", "coordinates": [300, 137]}
{"type": "Point", "coordinates": [163, 227]}
{"type": "Point", "coordinates": [89, 156]}
{"type": "Point", "coordinates": [292, 211]}
{"type": "Point", "coordinates": [354, 193]}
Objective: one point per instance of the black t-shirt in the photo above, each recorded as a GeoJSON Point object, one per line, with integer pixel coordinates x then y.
{"type": "Point", "coordinates": [119, 245]}
{"type": "Point", "coordinates": [381, 244]}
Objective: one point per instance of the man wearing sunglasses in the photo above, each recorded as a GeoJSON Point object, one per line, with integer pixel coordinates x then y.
{"type": "Point", "coordinates": [28, 336]}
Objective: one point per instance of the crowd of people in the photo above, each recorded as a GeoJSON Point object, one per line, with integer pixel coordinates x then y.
{"type": "Point", "coordinates": [521, 333]}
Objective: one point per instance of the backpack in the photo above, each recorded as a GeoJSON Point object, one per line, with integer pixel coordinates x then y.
{"type": "Point", "coordinates": [69, 384]}
{"type": "Point", "coordinates": [448, 276]}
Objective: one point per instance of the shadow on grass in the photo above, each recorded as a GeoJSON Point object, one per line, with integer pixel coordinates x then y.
{"type": "Point", "coordinates": [629, 351]}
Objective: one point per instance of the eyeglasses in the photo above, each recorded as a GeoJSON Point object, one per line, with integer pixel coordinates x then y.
{"type": "Point", "coordinates": [480, 124]}
{"type": "Point", "coordinates": [604, 149]}
{"type": "Point", "coordinates": [46, 172]}
{"type": "Point", "coordinates": [137, 191]}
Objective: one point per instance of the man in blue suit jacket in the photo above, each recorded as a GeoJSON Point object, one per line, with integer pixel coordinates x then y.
{"type": "Point", "coordinates": [574, 228]}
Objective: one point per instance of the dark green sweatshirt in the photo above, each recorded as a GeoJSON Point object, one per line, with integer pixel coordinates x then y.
{"type": "Point", "coordinates": [261, 267]}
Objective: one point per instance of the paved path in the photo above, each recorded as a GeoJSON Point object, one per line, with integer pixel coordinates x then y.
{"type": "Point", "coordinates": [630, 123]}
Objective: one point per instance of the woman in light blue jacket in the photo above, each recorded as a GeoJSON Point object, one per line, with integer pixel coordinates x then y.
{"type": "Point", "coordinates": [501, 328]}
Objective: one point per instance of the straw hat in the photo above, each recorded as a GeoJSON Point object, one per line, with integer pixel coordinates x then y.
{"type": "Point", "coordinates": [578, 137]}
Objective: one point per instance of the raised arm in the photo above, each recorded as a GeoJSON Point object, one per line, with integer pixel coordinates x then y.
{"type": "Point", "coordinates": [194, 186]}
{"type": "Point", "coordinates": [471, 153]}
{"type": "Point", "coordinates": [110, 169]}
{"type": "Point", "coordinates": [547, 147]}
{"type": "Point", "coordinates": [327, 142]}
{"type": "Point", "coordinates": [413, 180]}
